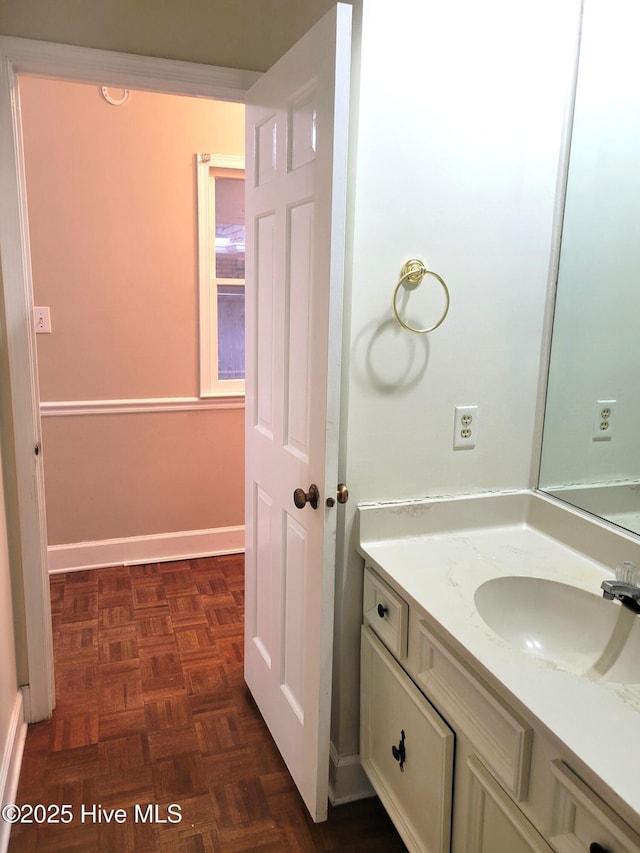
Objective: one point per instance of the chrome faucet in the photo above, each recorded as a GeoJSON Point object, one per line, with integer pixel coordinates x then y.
{"type": "Point", "coordinates": [621, 590]}
{"type": "Point", "coordinates": [625, 587]}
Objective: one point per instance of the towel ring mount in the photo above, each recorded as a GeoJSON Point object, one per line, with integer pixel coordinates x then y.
{"type": "Point", "coordinates": [411, 274]}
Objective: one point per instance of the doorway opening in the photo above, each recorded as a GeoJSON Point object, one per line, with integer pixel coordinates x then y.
{"type": "Point", "coordinates": [60, 62]}
{"type": "Point", "coordinates": [139, 462]}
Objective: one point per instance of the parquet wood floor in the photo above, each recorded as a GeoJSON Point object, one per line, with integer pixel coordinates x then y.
{"type": "Point", "coordinates": [152, 709]}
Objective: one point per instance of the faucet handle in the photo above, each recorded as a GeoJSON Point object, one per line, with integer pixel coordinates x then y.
{"type": "Point", "coordinates": [628, 572]}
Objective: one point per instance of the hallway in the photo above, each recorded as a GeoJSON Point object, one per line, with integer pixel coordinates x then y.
{"type": "Point", "coordinates": [152, 710]}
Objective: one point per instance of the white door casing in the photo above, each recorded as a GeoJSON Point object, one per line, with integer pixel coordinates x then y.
{"type": "Point", "coordinates": [297, 125]}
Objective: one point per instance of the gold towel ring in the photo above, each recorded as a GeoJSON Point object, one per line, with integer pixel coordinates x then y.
{"type": "Point", "coordinates": [411, 274]}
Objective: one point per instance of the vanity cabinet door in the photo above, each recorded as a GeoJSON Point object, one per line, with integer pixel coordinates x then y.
{"type": "Point", "coordinates": [406, 750]}
{"type": "Point", "coordinates": [492, 820]}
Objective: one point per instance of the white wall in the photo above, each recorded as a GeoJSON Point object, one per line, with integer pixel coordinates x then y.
{"type": "Point", "coordinates": [461, 115]}
{"type": "Point", "coordinates": [595, 352]}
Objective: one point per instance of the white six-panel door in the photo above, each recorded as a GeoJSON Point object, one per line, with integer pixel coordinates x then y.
{"type": "Point", "coordinates": [295, 214]}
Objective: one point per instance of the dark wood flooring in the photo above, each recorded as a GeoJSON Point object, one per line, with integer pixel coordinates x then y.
{"type": "Point", "coordinates": [152, 709]}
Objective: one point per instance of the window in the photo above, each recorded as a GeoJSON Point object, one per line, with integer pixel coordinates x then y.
{"type": "Point", "coordinates": [221, 235]}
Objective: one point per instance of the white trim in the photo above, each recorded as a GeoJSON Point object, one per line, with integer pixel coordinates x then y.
{"type": "Point", "coordinates": [562, 179]}
{"type": "Point", "coordinates": [207, 338]}
{"type": "Point", "coordinates": [110, 68]}
{"type": "Point", "coordinates": [153, 548]}
{"type": "Point", "coordinates": [221, 161]}
{"type": "Point", "coordinates": [11, 762]}
{"type": "Point", "coordinates": [207, 284]}
{"type": "Point", "coordinates": [347, 778]}
{"type": "Point", "coordinates": [136, 406]}
{"type": "Point", "coordinates": [23, 394]}
{"type": "Point", "coordinates": [106, 68]}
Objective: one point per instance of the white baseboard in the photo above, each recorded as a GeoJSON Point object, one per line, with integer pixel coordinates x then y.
{"type": "Point", "coordinates": [347, 779]}
{"type": "Point", "coordinates": [10, 766]}
{"type": "Point", "coordinates": [156, 548]}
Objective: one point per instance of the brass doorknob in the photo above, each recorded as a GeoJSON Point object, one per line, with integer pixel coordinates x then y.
{"type": "Point", "coordinates": [301, 498]}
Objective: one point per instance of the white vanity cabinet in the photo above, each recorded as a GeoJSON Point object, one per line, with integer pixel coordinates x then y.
{"type": "Point", "coordinates": [406, 749]}
{"type": "Point", "coordinates": [505, 786]}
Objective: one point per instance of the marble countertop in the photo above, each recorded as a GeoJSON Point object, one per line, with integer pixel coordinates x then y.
{"type": "Point", "coordinates": [440, 551]}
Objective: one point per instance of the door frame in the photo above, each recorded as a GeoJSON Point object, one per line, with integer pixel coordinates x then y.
{"type": "Point", "coordinates": [18, 349]}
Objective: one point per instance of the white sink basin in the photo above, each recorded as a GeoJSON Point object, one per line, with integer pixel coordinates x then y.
{"type": "Point", "coordinates": [570, 628]}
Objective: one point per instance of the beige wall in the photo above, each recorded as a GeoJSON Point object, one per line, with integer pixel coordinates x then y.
{"type": "Point", "coordinates": [115, 476]}
{"type": "Point", "coordinates": [112, 215]}
{"type": "Point", "coordinates": [249, 34]}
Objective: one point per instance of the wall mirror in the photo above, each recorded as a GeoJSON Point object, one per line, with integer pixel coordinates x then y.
{"type": "Point", "coordinates": [591, 442]}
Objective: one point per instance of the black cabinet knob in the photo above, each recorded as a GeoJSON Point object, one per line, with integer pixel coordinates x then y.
{"type": "Point", "coordinates": [399, 752]}
{"type": "Point", "coordinates": [594, 847]}
{"type": "Point", "coordinates": [382, 610]}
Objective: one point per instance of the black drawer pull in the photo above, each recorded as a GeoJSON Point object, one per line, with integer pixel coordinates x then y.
{"type": "Point", "coordinates": [382, 610]}
{"type": "Point", "coordinates": [594, 847]}
{"type": "Point", "coordinates": [399, 752]}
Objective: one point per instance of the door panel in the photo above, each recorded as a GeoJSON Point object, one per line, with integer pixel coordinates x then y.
{"type": "Point", "coordinates": [299, 355]}
{"type": "Point", "coordinates": [262, 617]}
{"type": "Point", "coordinates": [295, 556]}
{"type": "Point", "coordinates": [263, 300]}
{"type": "Point", "coordinates": [297, 118]}
{"type": "Point", "coordinates": [302, 128]}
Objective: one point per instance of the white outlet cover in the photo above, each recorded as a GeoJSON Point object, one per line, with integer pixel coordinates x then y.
{"type": "Point", "coordinates": [603, 421]}
{"type": "Point", "coordinates": [465, 427]}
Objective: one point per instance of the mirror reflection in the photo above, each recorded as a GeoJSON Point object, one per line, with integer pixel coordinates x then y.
{"type": "Point", "coordinates": [591, 445]}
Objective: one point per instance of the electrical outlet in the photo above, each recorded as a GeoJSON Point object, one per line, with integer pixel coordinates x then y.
{"type": "Point", "coordinates": [42, 319]}
{"type": "Point", "coordinates": [465, 427]}
{"type": "Point", "coordinates": [603, 420]}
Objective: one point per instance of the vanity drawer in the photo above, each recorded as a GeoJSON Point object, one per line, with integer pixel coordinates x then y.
{"type": "Point", "coordinates": [581, 818]}
{"type": "Point", "coordinates": [406, 749]}
{"type": "Point", "coordinates": [502, 738]}
{"type": "Point", "coordinates": [386, 612]}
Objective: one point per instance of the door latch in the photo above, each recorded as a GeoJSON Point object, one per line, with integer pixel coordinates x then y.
{"type": "Point", "coordinates": [342, 496]}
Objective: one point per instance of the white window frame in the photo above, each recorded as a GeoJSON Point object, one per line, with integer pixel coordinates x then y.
{"type": "Point", "coordinates": [210, 385]}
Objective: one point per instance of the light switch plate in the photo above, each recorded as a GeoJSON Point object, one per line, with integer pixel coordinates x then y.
{"type": "Point", "coordinates": [42, 319]}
